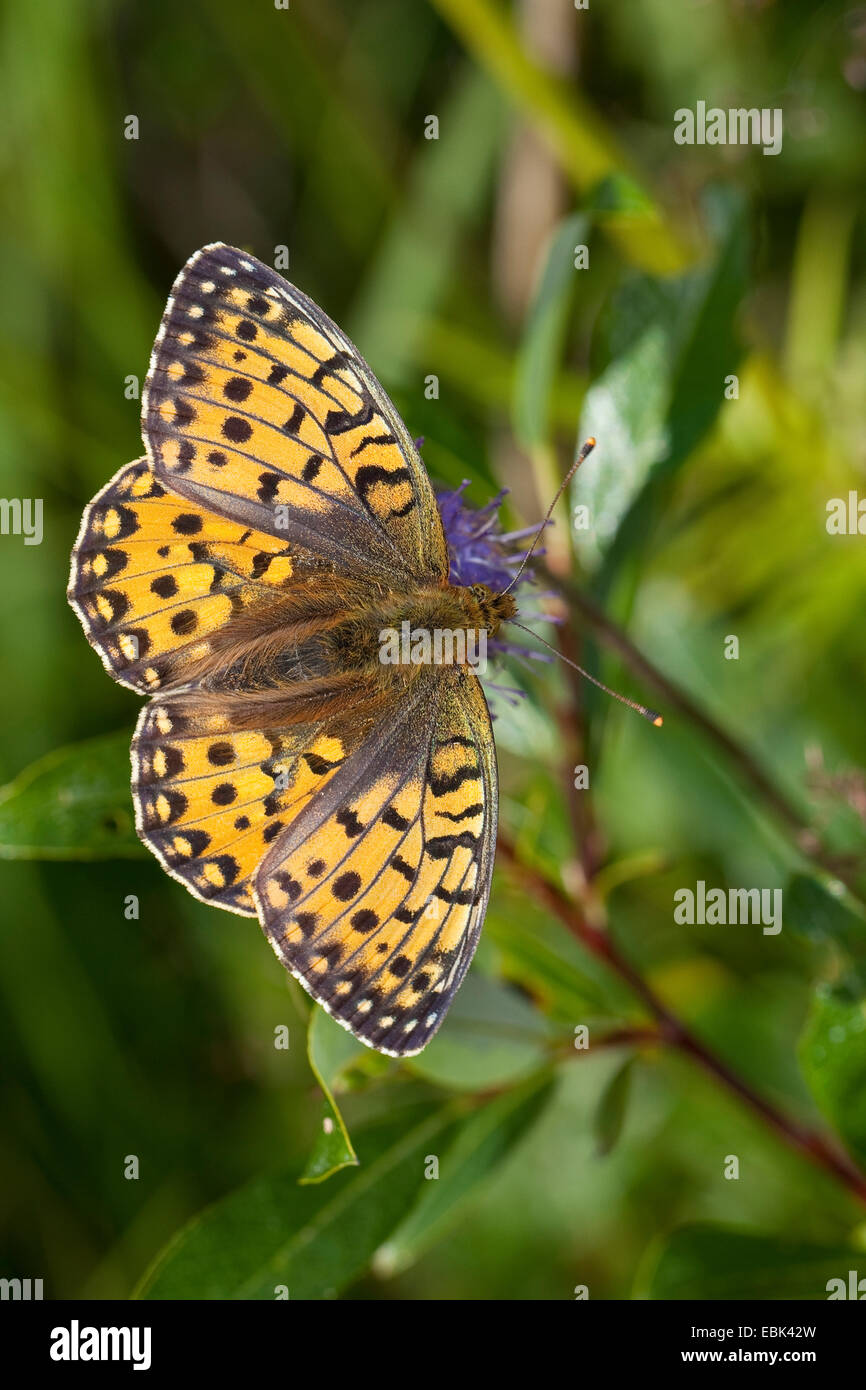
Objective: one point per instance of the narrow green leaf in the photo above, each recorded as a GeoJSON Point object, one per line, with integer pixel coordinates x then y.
{"type": "Point", "coordinates": [491, 1037]}
{"type": "Point", "coordinates": [481, 1142]}
{"type": "Point", "coordinates": [72, 804]}
{"type": "Point", "coordinates": [612, 1107]}
{"type": "Point", "coordinates": [446, 191]}
{"type": "Point", "coordinates": [310, 1240]}
{"type": "Point", "coordinates": [625, 409]}
{"type": "Point", "coordinates": [589, 155]}
{"type": "Point", "coordinates": [814, 911]}
{"type": "Point", "coordinates": [819, 285]}
{"type": "Point", "coordinates": [331, 1050]}
{"type": "Point", "coordinates": [833, 1060]}
{"type": "Point", "coordinates": [712, 1262]}
{"type": "Point", "coordinates": [541, 350]}
{"type": "Point", "coordinates": [672, 344]}
{"type": "Point", "coordinates": [570, 983]}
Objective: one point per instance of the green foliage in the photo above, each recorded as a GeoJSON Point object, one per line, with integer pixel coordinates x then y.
{"type": "Point", "coordinates": [479, 1144]}
{"type": "Point", "coordinates": [829, 918]}
{"type": "Point", "coordinates": [543, 340]}
{"type": "Point", "coordinates": [331, 1051]}
{"type": "Point", "coordinates": [148, 1030]}
{"type": "Point", "coordinates": [612, 1108]}
{"type": "Point", "coordinates": [713, 1263]}
{"type": "Point", "coordinates": [314, 1239]}
{"type": "Point", "coordinates": [671, 345]}
{"type": "Point", "coordinates": [833, 1056]}
{"type": "Point", "coordinates": [72, 804]}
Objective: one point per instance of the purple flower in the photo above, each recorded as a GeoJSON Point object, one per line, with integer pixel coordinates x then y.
{"type": "Point", "coordinates": [482, 553]}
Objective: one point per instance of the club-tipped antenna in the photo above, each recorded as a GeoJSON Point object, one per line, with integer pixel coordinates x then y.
{"type": "Point", "coordinates": [585, 449]}
{"type": "Point", "coordinates": [647, 713]}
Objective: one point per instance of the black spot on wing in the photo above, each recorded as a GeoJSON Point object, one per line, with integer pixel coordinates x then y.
{"type": "Point", "coordinates": [319, 765]}
{"type": "Point", "coordinates": [473, 810]}
{"type": "Point", "coordinates": [443, 846]}
{"type": "Point", "coordinates": [404, 868]}
{"type": "Point", "coordinates": [450, 781]}
{"type": "Point", "coordinates": [333, 364]}
{"type": "Point", "coordinates": [341, 421]}
{"type": "Point", "coordinates": [370, 474]}
{"type": "Point", "coordinates": [386, 438]}
{"type": "Point", "coordinates": [349, 821]}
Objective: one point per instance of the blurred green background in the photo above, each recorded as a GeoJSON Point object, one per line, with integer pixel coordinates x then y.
{"type": "Point", "coordinates": [453, 257]}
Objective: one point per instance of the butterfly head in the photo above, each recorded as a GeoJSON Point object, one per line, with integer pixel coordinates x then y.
{"type": "Point", "coordinates": [487, 609]}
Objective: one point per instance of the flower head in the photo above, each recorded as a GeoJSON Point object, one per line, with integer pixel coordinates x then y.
{"type": "Point", "coordinates": [481, 552]}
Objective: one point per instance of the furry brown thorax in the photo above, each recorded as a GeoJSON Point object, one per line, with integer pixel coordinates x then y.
{"type": "Point", "coordinates": [323, 635]}
{"type": "Point", "coordinates": [447, 608]}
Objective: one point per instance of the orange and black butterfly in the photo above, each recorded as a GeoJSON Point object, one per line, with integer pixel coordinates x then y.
{"type": "Point", "coordinates": [240, 575]}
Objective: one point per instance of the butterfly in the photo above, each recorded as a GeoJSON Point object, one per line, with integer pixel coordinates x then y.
{"type": "Point", "coordinates": [240, 575]}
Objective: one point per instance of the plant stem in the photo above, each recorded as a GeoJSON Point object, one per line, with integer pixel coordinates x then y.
{"type": "Point", "coordinates": [803, 835]}
{"type": "Point", "coordinates": [674, 1032]}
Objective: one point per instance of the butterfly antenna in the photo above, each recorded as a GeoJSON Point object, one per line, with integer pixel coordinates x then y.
{"type": "Point", "coordinates": [647, 713]}
{"type": "Point", "coordinates": [585, 449]}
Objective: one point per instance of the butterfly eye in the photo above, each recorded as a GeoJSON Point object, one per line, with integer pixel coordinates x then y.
{"type": "Point", "coordinates": [479, 592]}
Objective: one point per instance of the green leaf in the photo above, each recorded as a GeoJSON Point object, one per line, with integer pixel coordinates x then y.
{"type": "Point", "coordinates": [314, 1240]}
{"type": "Point", "coordinates": [672, 343]}
{"type": "Point", "coordinates": [331, 1050]}
{"type": "Point", "coordinates": [539, 953]}
{"type": "Point", "coordinates": [446, 191]}
{"type": "Point", "coordinates": [580, 140]}
{"type": "Point", "coordinates": [612, 1106]}
{"type": "Point", "coordinates": [619, 193]}
{"type": "Point", "coordinates": [541, 350]}
{"type": "Point", "coordinates": [712, 1262]}
{"type": "Point", "coordinates": [821, 915]}
{"type": "Point", "coordinates": [833, 1060]}
{"type": "Point", "coordinates": [481, 1142]}
{"type": "Point", "coordinates": [491, 1037]}
{"type": "Point", "coordinates": [72, 804]}
{"type": "Point", "coordinates": [625, 409]}
{"type": "Point", "coordinates": [521, 727]}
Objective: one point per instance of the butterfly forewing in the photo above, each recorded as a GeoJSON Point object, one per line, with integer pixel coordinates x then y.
{"type": "Point", "coordinates": [258, 405]}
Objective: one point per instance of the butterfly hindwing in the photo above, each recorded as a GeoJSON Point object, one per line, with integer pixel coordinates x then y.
{"type": "Point", "coordinates": [211, 799]}
{"type": "Point", "coordinates": [375, 896]}
{"type": "Point", "coordinates": [258, 406]}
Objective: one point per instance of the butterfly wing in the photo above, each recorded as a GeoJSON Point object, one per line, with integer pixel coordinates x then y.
{"type": "Point", "coordinates": [272, 451]}
{"type": "Point", "coordinates": [374, 896]}
{"type": "Point", "coordinates": [274, 459]}
{"type": "Point", "coordinates": [154, 576]}
{"type": "Point", "coordinates": [259, 407]}
{"type": "Point", "coordinates": [211, 799]}
{"type": "Point", "coordinates": [156, 581]}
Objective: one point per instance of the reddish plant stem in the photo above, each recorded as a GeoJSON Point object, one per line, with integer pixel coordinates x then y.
{"type": "Point", "coordinates": [674, 1032]}
{"type": "Point", "coordinates": [573, 727]}
{"type": "Point", "coordinates": [674, 698]}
